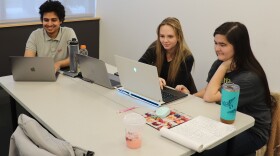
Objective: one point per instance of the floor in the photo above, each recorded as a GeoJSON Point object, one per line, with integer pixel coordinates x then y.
{"type": "Point", "coordinates": [5, 123]}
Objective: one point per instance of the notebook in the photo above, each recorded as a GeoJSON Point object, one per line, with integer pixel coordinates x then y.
{"type": "Point", "coordinates": [33, 68]}
{"type": "Point", "coordinates": [199, 133]}
{"type": "Point", "coordinates": [141, 81]}
{"type": "Point", "coordinates": [94, 70]}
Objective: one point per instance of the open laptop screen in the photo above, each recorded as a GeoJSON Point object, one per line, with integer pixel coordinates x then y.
{"type": "Point", "coordinates": [94, 70]}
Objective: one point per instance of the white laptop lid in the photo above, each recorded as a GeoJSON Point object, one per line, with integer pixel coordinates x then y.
{"type": "Point", "coordinates": [33, 68]}
{"type": "Point", "coordinates": [139, 78]}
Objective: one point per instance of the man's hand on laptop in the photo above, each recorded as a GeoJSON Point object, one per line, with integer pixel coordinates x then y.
{"type": "Point", "coordinates": [182, 89]}
{"type": "Point", "coordinates": [162, 82]}
{"type": "Point", "coordinates": [56, 67]}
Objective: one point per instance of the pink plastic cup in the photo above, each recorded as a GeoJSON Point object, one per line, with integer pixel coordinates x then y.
{"type": "Point", "coordinates": [134, 124]}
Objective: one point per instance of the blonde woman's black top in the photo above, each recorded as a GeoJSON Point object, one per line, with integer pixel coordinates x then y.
{"type": "Point", "coordinates": [183, 77]}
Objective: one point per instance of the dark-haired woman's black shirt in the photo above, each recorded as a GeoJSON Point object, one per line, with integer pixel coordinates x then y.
{"type": "Point", "coordinates": [251, 98]}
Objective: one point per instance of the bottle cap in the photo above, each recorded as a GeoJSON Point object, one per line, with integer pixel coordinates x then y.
{"type": "Point", "coordinates": [83, 46]}
{"type": "Point", "coordinates": [74, 41]}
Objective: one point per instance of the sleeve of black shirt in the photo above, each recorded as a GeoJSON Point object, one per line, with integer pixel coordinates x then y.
{"type": "Point", "coordinates": [189, 63]}
{"type": "Point", "coordinates": [149, 57]}
{"type": "Point", "coordinates": [213, 69]}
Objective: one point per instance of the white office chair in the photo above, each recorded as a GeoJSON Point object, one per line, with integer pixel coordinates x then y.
{"type": "Point", "coordinates": [31, 139]}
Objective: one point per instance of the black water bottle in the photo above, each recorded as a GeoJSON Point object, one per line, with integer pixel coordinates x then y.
{"type": "Point", "coordinates": [73, 48]}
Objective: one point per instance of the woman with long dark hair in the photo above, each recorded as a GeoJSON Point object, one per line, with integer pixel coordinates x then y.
{"type": "Point", "coordinates": [236, 63]}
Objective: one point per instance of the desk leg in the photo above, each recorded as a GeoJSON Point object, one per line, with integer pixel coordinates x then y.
{"type": "Point", "coordinates": [13, 113]}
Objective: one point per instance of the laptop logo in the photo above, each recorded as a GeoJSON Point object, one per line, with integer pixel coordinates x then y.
{"type": "Point", "coordinates": [135, 69]}
{"type": "Point", "coordinates": [32, 69]}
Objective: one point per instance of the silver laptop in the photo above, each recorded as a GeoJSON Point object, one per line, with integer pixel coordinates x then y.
{"type": "Point", "coordinates": [141, 81]}
{"type": "Point", "coordinates": [33, 68]}
{"type": "Point", "coordinates": [94, 70]}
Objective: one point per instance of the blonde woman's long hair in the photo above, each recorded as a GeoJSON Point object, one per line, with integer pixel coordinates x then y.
{"type": "Point", "coordinates": [181, 49]}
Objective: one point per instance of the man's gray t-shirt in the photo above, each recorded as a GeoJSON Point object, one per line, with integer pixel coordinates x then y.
{"type": "Point", "coordinates": [251, 98]}
{"type": "Point", "coordinates": [40, 43]}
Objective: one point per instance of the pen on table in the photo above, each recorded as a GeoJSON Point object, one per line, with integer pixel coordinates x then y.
{"type": "Point", "coordinates": [127, 109]}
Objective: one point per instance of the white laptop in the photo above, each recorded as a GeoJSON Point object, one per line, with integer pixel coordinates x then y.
{"type": "Point", "coordinates": [33, 68]}
{"type": "Point", "coordinates": [140, 81]}
{"type": "Point", "coordinates": [94, 70]}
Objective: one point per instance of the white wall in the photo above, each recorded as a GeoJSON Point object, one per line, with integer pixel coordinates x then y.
{"type": "Point", "coordinates": [127, 27]}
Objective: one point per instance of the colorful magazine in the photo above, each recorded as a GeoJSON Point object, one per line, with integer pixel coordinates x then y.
{"type": "Point", "coordinates": [173, 119]}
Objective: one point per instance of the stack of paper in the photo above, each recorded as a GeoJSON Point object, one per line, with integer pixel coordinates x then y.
{"type": "Point", "coordinates": [198, 133]}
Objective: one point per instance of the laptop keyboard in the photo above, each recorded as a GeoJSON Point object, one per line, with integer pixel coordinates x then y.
{"type": "Point", "coordinates": [169, 95]}
{"type": "Point", "coordinates": [114, 83]}
{"type": "Point", "coordinates": [166, 95]}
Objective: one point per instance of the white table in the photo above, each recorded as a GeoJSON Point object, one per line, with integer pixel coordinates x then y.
{"type": "Point", "coordinates": [86, 115]}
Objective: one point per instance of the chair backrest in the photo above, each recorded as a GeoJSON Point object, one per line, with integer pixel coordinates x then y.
{"type": "Point", "coordinates": [32, 139]}
{"type": "Point", "coordinates": [276, 96]}
{"type": "Point", "coordinates": [273, 146]}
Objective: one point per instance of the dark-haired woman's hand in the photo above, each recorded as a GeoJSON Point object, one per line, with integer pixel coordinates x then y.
{"type": "Point", "coordinates": [228, 65]}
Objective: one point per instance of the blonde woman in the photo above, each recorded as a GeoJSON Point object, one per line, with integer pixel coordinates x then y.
{"type": "Point", "coordinates": [171, 55]}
